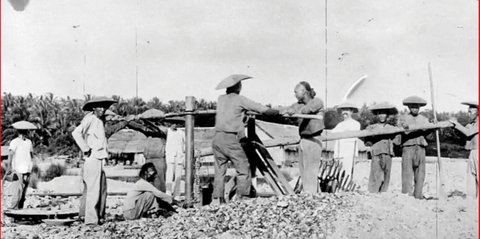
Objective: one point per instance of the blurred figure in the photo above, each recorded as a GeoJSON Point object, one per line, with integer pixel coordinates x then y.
{"type": "Point", "coordinates": [346, 149]}
{"type": "Point", "coordinates": [175, 156]}
{"type": "Point", "coordinates": [471, 132]}
{"type": "Point", "coordinates": [20, 159]}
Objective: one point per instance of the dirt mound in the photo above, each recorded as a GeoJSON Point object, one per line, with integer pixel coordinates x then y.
{"type": "Point", "coordinates": [74, 184]}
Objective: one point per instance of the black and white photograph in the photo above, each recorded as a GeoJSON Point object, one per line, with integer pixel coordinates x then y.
{"type": "Point", "coordinates": [239, 119]}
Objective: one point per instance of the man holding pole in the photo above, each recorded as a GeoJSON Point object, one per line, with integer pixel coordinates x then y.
{"type": "Point", "coordinates": [382, 149]}
{"type": "Point", "coordinates": [229, 130]}
{"type": "Point", "coordinates": [471, 132]}
{"type": "Point", "coordinates": [90, 137]}
{"type": "Point", "coordinates": [413, 147]}
{"type": "Point", "coordinates": [310, 131]}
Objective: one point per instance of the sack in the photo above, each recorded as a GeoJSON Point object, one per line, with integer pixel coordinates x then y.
{"type": "Point", "coordinates": [12, 193]}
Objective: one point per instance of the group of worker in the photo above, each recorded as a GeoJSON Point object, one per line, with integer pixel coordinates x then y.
{"type": "Point", "coordinates": [150, 192]}
{"type": "Point", "coordinates": [229, 131]}
{"type": "Point", "coordinates": [159, 177]}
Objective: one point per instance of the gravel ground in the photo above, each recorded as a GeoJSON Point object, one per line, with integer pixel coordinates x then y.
{"type": "Point", "coordinates": [346, 215]}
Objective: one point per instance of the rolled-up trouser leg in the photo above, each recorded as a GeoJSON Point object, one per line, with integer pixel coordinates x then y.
{"type": "Point", "coordinates": [310, 162]}
{"type": "Point", "coordinates": [83, 199]}
{"type": "Point", "coordinates": [408, 153]}
{"type": "Point", "coordinates": [103, 195]}
{"type": "Point", "coordinates": [419, 171]}
{"type": "Point", "coordinates": [387, 168]}
{"type": "Point", "coordinates": [145, 203]}
{"type": "Point", "coordinates": [376, 175]}
{"type": "Point", "coordinates": [161, 168]}
{"type": "Point", "coordinates": [472, 174]}
{"type": "Point", "coordinates": [92, 173]}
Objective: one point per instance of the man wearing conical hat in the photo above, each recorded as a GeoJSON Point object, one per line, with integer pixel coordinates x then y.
{"type": "Point", "coordinates": [229, 130]}
{"type": "Point", "coordinates": [346, 149]}
{"type": "Point", "coordinates": [20, 159]}
{"type": "Point", "coordinates": [310, 131]}
{"type": "Point", "coordinates": [90, 138]}
{"type": "Point", "coordinates": [413, 147]}
{"type": "Point", "coordinates": [382, 148]}
{"type": "Point", "coordinates": [471, 132]}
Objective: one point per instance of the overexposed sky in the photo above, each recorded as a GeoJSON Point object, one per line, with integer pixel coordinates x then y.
{"type": "Point", "coordinates": [186, 47]}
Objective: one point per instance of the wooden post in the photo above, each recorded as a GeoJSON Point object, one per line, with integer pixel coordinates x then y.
{"type": "Point", "coordinates": [440, 184]}
{"type": "Point", "coordinates": [189, 148]}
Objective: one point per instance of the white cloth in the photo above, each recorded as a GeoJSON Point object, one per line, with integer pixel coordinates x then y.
{"type": "Point", "coordinates": [22, 158]}
{"type": "Point", "coordinates": [175, 157]}
{"type": "Point", "coordinates": [175, 145]}
{"type": "Point", "coordinates": [346, 149]}
{"type": "Point", "coordinates": [90, 134]}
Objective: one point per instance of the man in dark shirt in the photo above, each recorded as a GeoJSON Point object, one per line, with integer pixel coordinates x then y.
{"type": "Point", "coordinates": [310, 131]}
{"type": "Point", "coordinates": [413, 147]}
{"type": "Point", "coordinates": [382, 149]}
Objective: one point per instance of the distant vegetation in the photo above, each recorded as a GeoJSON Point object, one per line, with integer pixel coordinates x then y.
{"type": "Point", "coordinates": [56, 117]}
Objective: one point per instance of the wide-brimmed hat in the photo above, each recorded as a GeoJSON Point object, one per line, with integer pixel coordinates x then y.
{"type": "Point", "coordinates": [103, 102]}
{"type": "Point", "coordinates": [471, 104]}
{"type": "Point", "coordinates": [24, 125]}
{"type": "Point", "coordinates": [231, 81]}
{"type": "Point", "coordinates": [414, 100]}
{"type": "Point", "coordinates": [348, 105]}
{"type": "Point", "coordinates": [383, 107]}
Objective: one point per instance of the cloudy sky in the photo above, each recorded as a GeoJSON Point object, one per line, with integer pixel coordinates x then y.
{"type": "Point", "coordinates": [185, 47]}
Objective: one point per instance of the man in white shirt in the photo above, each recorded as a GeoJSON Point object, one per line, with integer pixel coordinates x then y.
{"type": "Point", "coordinates": [144, 198]}
{"type": "Point", "coordinates": [175, 156]}
{"type": "Point", "coordinates": [20, 160]}
{"type": "Point", "coordinates": [90, 137]}
{"type": "Point", "coordinates": [346, 149]}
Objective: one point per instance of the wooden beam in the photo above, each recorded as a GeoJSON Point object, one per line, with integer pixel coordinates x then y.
{"type": "Point", "coordinates": [392, 131]}
{"type": "Point", "coordinates": [189, 148]}
{"type": "Point", "coordinates": [212, 112]}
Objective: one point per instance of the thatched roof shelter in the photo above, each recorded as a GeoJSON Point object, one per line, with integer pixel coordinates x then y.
{"type": "Point", "coordinates": [127, 141]}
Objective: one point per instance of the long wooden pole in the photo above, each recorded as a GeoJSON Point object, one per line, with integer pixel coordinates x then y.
{"type": "Point", "coordinates": [211, 112]}
{"type": "Point", "coordinates": [441, 185]}
{"type": "Point", "coordinates": [189, 148]}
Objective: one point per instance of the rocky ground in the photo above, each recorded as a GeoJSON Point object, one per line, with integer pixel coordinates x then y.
{"type": "Point", "coordinates": [344, 215]}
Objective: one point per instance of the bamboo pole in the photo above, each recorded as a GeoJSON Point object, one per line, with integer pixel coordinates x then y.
{"type": "Point", "coordinates": [189, 148]}
{"type": "Point", "coordinates": [441, 186]}
{"type": "Point", "coordinates": [212, 112]}
{"type": "Point", "coordinates": [392, 131]}
{"type": "Point", "coordinates": [342, 135]}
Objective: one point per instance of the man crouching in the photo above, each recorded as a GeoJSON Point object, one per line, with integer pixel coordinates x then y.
{"type": "Point", "coordinates": [144, 199]}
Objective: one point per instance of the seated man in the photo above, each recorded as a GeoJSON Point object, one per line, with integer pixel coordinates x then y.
{"type": "Point", "coordinates": [144, 199]}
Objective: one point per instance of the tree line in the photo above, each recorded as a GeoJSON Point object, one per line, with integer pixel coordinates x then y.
{"type": "Point", "coordinates": [56, 118]}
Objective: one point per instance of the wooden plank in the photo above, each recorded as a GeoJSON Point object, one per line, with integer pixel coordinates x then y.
{"type": "Point", "coordinates": [267, 160]}
{"type": "Point", "coordinates": [393, 131]}
{"type": "Point", "coordinates": [212, 112]}
{"type": "Point", "coordinates": [53, 194]}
